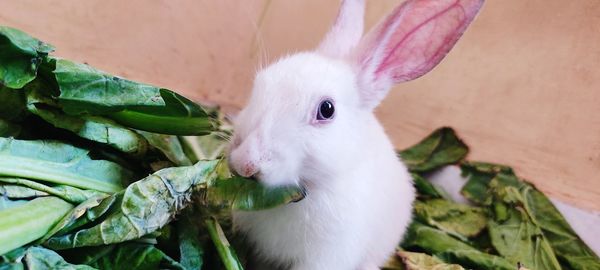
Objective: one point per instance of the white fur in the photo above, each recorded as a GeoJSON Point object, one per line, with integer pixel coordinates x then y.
{"type": "Point", "coordinates": [359, 194]}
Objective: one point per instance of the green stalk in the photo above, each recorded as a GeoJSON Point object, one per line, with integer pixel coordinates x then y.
{"type": "Point", "coordinates": [23, 224]}
{"type": "Point", "coordinates": [226, 252]}
{"type": "Point", "coordinates": [172, 125]}
{"type": "Point", "coordinates": [25, 168]}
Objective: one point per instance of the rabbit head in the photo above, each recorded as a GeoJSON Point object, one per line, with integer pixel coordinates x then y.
{"type": "Point", "coordinates": [308, 113]}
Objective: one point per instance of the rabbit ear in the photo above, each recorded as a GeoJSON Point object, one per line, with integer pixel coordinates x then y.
{"type": "Point", "coordinates": [410, 42]}
{"type": "Point", "coordinates": [347, 30]}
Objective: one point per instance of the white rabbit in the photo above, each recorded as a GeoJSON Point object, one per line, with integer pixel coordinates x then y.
{"type": "Point", "coordinates": [310, 122]}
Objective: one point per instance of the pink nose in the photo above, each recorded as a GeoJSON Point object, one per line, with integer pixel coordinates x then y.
{"type": "Point", "coordinates": [242, 163]}
{"type": "Point", "coordinates": [247, 169]}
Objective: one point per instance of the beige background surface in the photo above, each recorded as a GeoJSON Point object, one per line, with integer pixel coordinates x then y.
{"type": "Point", "coordinates": [521, 87]}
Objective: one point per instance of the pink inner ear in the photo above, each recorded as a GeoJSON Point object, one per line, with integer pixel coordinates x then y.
{"type": "Point", "coordinates": [419, 33]}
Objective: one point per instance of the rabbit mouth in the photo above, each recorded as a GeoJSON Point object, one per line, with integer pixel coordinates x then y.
{"type": "Point", "coordinates": [303, 193]}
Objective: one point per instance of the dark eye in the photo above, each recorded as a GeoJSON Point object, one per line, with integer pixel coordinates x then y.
{"type": "Point", "coordinates": [326, 110]}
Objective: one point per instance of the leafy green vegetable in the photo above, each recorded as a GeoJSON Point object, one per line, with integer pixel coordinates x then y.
{"type": "Point", "coordinates": [461, 221]}
{"type": "Point", "coordinates": [190, 246]}
{"type": "Point", "coordinates": [61, 163]}
{"type": "Point", "coordinates": [41, 258]}
{"type": "Point", "coordinates": [93, 128]}
{"type": "Point", "coordinates": [140, 106]}
{"type": "Point", "coordinates": [145, 206]}
{"type": "Point", "coordinates": [132, 255]}
{"type": "Point", "coordinates": [478, 175]}
{"type": "Point", "coordinates": [19, 192]}
{"type": "Point", "coordinates": [440, 148]}
{"type": "Point", "coordinates": [12, 103]}
{"type": "Point", "coordinates": [420, 261]}
{"type": "Point", "coordinates": [425, 189]}
{"type": "Point", "coordinates": [226, 252]}
{"type": "Point", "coordinates": [243, 194]}
{"type": "Point", "coordinates": [67, 193]}
{"type": "Point", "coordinates": [520, 205]}
{"type": "Point", "coordinates": [28, 222]}
{"type": "Point", "coordinates": [169, 145]}
{"type": "Point", "coordinates": [568, 247]}
{"type": "Point", "coordinates": [8, 129]}
{"type": "Point", "coordinates": [449, 249]}
{"type": "Point", "coordinates": [20, 57]}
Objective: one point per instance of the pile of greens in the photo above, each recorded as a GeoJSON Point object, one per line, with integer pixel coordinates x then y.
{"type": "Point", "coordinates": [99, 172]}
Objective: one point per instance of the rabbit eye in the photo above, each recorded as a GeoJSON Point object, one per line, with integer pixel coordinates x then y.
{"type": "Point", "coordinates": [326, 110]}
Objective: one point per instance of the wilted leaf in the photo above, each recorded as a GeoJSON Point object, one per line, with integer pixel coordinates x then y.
{"type": "Point", "coordinates": [134, 256]}
{"type": "Point", "coordinates": [421, 261]}
{"type": "Point", "coordinates": [426, 189]}
{"type": "Point", "coordinates": [84, 89]}
{"type": "Point", "coordinates": [210, 146]}
{"type": "Point", "coordinates": [478, 175]}
{"type": "Point", "coordinates": [440, 148]}
{"type": "Point", "coordinates": [38, 258]}
{"type": "Point", "coordinates": [6, 203]}
{"type": "Point", "coordinates": [567, 245]}
{"type": "Point", "coordinates": [146, 206]}
{"type": "Point", "coordinates": [8, 129]}
{"type": "Point", "coordinates": [19, 192]}
{"type": "Point", "coordinates": [532, 231]}
{"type": "Point", "coordinates": [226, 252]}
{"type": "Point", "coordinates": [459, 220]}
{"type": "Point", "coordinates": [12, 103]}
{"type": "Point", "coordinates": [67, 193]}
{"type": "Point", "coordinates": [93, 128]}
{"type": "Point", "coordinates": [450, 250]}
{"type": "Point", "coordinates": [190, 246]}
{"type": "Point", "coordinates": [30, 221]}
{"type": "Point", "coordinates": [20, 57]}
{"type": "Point", "coordinates": [60, 163]}
{"type": "Point", "coordinates": [169, 145]}
{"type": "Point", "coordinates": [240, 193]}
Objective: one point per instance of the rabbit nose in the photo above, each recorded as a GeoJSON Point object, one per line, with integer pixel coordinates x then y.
{"type": "Point", "coordinates": [242, 164]}
{"type": "Point", "coordinates": [248, 169]}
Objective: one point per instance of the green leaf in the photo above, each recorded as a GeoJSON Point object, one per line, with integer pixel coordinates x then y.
{"type": "Point", "coordinates": [478, 175]}
{"type": "Point", "coordinates": [135, 105]}
{"type": "Point", "coordinates": [169, 145]}
{"type": "Point", "coordinates": [426, 189]}
{"type": "Point", "coordinates": [567, 245]}
{"type": "Point", "coordinates": [94, 128]}
{"type": "Point", "coordinates": [517, 201]}
{"type": "Point", "coordinates": [67, 193]}
{"type": "Point", "coordinates": [513, 233]}
{"type": "Point", "coordinates": [145, 206]}
{"type": "Point", "coordinates": [240, 193]}
{"type": "Point", "coordinates": [532, 231]}
{"type": "Point", "coordinates": [30, 221]}
{"type": "Point", "coordinates": [135, 256]}
{"type": "Point", "coordinates": [226, 252]}
{"type": "Point", "coordinates": [12, 103]}
{"type": "Point", "coordinates": [8, 129]}
{"type": "Point", "coordinates": [450, 250]}
{"type": "Point", "coordinates": [20, 57]}
{"type": "Point", "coordinates": [459, 220]}
{"type": "Point", "coordinates": [38, 258]}
{"type": "Point", "coordinates": [440, 148]}
{"type": "Point", "coordinates": [60, 163]}
{"type": "Point", "coordinates": [420, 261]}
{"type": "Point", "coordinates": [19, 192]}
{"type": "Point", "coordinates": [190, 246]}
{"type": "Point", "coordinates": [6, 203]}
{"type": "Point", "coordinates": [210, 146]}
